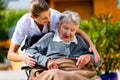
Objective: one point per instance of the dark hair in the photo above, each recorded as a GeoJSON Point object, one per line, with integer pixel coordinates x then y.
{"type": "Point", "coordinates": [38, 6]}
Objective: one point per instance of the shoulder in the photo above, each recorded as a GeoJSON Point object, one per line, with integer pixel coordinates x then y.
{"type": "Point", "coordinates": [25, 18]}
{"type": "Point", "coordinates": [81, 41]}
{"type": "Point", "coordinates": [24, 23]}
{"type": "Point", "coordinates": [79, 38]}
{"type": "Point", "coordinates": [54, 13]}
{"type": "Point", "coordinates": [47, 36]}
{"type": "Point", "coordinates": [54, 18]}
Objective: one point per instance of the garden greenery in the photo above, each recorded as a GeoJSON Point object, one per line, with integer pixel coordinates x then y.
{"type": "Point", "coordinates": [106, 37]}
{"type": "Point", "coordinates": [8, 19]}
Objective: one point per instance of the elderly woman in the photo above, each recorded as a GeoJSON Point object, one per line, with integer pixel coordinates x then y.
{"type": "Point", "coordinates": [63, 55]}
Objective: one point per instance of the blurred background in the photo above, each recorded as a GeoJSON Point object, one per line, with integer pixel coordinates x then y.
{"type": "Point", "coordinates": [100, 20]}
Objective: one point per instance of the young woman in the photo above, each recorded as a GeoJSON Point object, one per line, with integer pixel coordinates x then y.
{"type": "Point", "coordinates": [35, 23]}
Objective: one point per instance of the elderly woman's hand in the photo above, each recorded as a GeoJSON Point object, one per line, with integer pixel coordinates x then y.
{"type": "Point", "coordinates": [51, 64]}
{"type": "Point", "coordinates": [82, 60]}
{"type": "Point", "coordinates": [27, 59]}
{"type": "Point", "coordinates": [96, 54]}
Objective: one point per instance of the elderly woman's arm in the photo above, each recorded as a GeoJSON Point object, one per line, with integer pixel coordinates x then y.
{"type": "Point", "coordinates": [38, 48]}
{"type": "Point", "coordinates": [86, 58]}
{"type": "Point", "coordinates": [38, 56]}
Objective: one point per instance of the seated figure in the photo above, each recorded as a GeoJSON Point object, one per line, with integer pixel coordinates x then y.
{"type": "Point", "coordinates": [62, 54]}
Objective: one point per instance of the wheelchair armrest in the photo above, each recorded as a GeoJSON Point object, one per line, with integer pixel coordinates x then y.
{"type": "Point", "coordinates": [26, 68]}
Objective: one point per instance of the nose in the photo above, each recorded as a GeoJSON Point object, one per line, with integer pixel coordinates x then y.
{"type": "Point", "coordinates": [68, 32]}
{"type": "Point", "coordinates": [48, 19]}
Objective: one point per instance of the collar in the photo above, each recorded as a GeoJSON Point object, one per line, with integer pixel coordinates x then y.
{"type": "Point", "coordinates": [58, 39]}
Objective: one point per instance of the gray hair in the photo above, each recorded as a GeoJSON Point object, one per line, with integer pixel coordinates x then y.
{"type": "Point", "coordinates": [70, 16]}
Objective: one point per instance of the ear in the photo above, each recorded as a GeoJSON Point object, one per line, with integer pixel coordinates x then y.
{"type": "Point", "coordinates": [58, 25]}
{"type": "Point", "coordinates": [32, 16]}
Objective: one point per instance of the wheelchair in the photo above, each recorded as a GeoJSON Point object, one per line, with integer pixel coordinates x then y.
{"type": "Point", "coordinates": [27, 71]}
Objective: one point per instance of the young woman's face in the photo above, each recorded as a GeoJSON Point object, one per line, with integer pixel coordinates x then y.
{"type": "Point", "coordinates": [67, 31]}
{"type": "Point", "coordinates": [43, 18]}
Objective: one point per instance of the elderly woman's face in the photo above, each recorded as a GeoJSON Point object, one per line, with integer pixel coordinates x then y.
{"type": "Point", "coordinates": [67, 31]}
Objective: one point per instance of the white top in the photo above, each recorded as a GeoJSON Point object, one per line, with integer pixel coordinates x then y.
{"type": "Point", "coordinates": [27, 27]}
{"type": "Point", "coordinates": [58, 39]}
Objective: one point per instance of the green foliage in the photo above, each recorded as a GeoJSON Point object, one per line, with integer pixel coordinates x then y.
{"type": "Point", "coordinates": [3, 54]}
{"type": "Point", "coordinates": [106, 37]}
{"type": "Point", "coordinates": [3, 4]}
{"type": "Point", "coordinates": [8, 19]}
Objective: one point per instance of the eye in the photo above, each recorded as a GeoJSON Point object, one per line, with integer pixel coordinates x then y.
{"type": "Point", "coordinates": [72, 30]}
{"type": "Point", "coordinates": [65, 27]}
{"type": "Point", "coordinates": [44, 18]}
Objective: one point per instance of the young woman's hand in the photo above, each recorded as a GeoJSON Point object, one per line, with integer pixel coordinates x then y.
{"type": "Point", "coordinates": [27, 59]}
{"type": "Point", "coordinates": [96, 54]}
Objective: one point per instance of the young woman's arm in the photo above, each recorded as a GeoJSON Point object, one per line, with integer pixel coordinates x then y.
{"type": "Point", "coordinates": [91, 45]}
{"type": "Point", "coordinates": [14, 56]}
{"type": "Point", "coordinates": [12, 53]}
